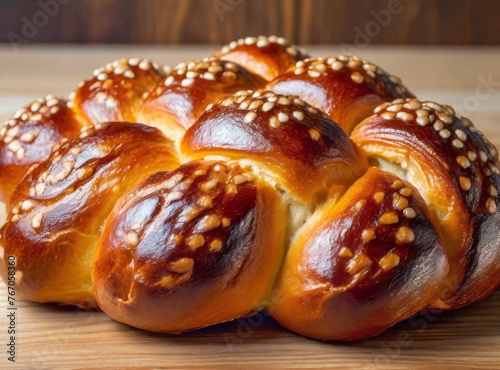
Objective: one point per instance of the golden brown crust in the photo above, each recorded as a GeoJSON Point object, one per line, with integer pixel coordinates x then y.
{"type": "Point", "coordinates": [56, 213]}
{"type": "Point", "coordinates": [190, 248]}
{"type": "Point", "coordinates": [182, 96]}
{"type": "Point", "coordinates": [29, 137]}
{"type": "Point", "coordinates": [361, 265]}
{"type": "Point", "coordinates": [347, 88]}
{"type": "Point", "coordinates": [445, 154]}
{"type": "Point", "coordinates": [204, 243]}
{"type": "Point", "coordinates": [301, 149]}
{"type": "Point", "coordinates": [116, 91]}
{"type": "Point", "coordinates": [267, 57]}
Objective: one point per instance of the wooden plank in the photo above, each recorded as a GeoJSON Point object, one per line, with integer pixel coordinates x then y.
{"type": "Point", "coordinates": [54, 337]}
{"type": "Point", "coordinates": [424, 22]}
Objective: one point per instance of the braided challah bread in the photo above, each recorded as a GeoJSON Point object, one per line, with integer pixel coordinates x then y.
{"type": "Point", "coordinates": [318, 189]}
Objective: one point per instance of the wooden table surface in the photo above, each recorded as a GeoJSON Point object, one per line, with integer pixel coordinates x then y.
{"type": "Point", "coordinates": [52, 337]}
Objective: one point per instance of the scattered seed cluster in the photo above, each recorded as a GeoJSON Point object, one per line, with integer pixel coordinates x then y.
{"type": "Point", "coordinates": [458, 134]}
{"type": "Point", "coordinates": [263, 42]}
{"type": "Point", "coordinates": [63, 164]}
{"type": "Point", "coordinates": [255, 102]}
{"type": "Point", "coordinates": [361, 71]}
{"type": "Point", "coordinates": [120, 73]}
{"type": "Point", "coordinates": [15, 137]}
{"type": "Point", "coordinates": [404, 235]}
{"type": "Point", "coordinates": [210, 69]}
{"type": "Point", "coordinates": [201, 222]}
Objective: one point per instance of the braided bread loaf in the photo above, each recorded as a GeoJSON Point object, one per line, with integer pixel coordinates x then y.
{"type": "Point", "coordinates": [319, 189]}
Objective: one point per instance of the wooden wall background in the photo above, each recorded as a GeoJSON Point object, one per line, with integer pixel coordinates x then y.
{"type": "Point", "coordinates": [424, 22]}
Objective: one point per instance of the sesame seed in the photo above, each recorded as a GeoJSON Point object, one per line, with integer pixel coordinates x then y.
{"type": "Point", "coordinates": [388, 115]}
{"type": "Point", "coordinates": [14, 146]}
{"type": "Point", "coordinates": [226, 222]}
{"type": "Point", "coordinates": [380, 108]}
{"type": "Point", "coordinates": [345, 252]}
{"type": "Point", "coordinates": [445, 117]}
{"type": "Point", "coordinates": [465, 183]}
{"type": "Point", "coordinates": [144, 65]}
{"type": "Point", "coordinates": [229, 75]}
{"type": "Point", "coordinates": [182, 265]}
{"type": "Point", "coordinates": [461, 135]}
{"type": "Point", "coordinates": [195, 241]}
{"type": "Point", "coordinates": [389, 218]}
{"type": "Point", "coordinates": [368, 235]}
{"type": "Point", "coordinates": [445, 134]}
{"type": "Point", "coordinates": [409, 213]}
{"type": "Point", "coordinates": [472, 156]}
{"type": "Point", "coordinates": [395, 108]}
{"type": "Point", "coordinates": [413, 104]}
{"type": "Point", "coordinates": [274, 122]}
{"type": "Point", "coordinates": [75, 151]}
{"type": "Point", "coordinates": [494, 169]}
{"type": "Point", "coordinates": [27, 205]}
{"type": "Point", "coordinates": [337, 65]}
{"type": "Point", "coordinates": [20, 153]}
{"type": "Point", "coordinates": [314, 134]}
{"type": "Point", "coordinates": [284, 100]}
{"type": "Point", "coordinates": [36, 222]}
{"type": "Point", "coordinates": [13, 131]}
{"type": "Point", "coordinates": [438, 125]}
{"type": "Point", "coordinates": [267, 106]}
{"type": "Point", "coordinates": [240, 179]}
{"type": "Point", "coordinates": [483, 156]}
{"type": "Point", "coordinates": [299, 71]}
{"type": "Point", "coordinates": [28, 137]}
{"type": "Point", "coordinates": [313, 74]}
{"type": "Point", "coordinates": [457, 144]}
{"type": "Point", "coordinates": [493, 191]}
{"type": "Point", "coordinates": [398, 184]}
{"type": "Point", "coordinates": [209, 185]}
{"type": "Point", "coordinates": [255, 104]}
{"type": "Point", "coordinates": [407, 117]}
{"type": "Point", "coordinates": [463, 161]}
{"type": "Point", "coordinates": [15, 218]}
{"type": "Point", "coordinates": [283, 117]}
{"type": "Point", "coordinates": [192, 74]}
{"type": "Point", "coordinates": [102, 76]}
{"type": "Point", "coordinates": [84, 173]}
{"type": "Point", "coordinates": [262, 43]}
{"type": "Point", "coordinates": [169, 81]}
{"type": "Point", "coordinates": [360, 204]}
{"type": "Point", "coordinates": [399, 202]}
{"type": "Point", "coordinates": [389, 261]}
{"type": "Point", "coordinates": [38, 117]}
{"type": "Point", "coordinates": [405, 235]}
{"type": "Point", "coordinates": [187, 82]}
{"type": "Point", "coordinates": [208, 223]}
{"type": "Point", "coordinates": [298, 115]}
{"type": "Point", "coordinates": [131, 239]}
{"type": "Point", "coordinates": [407, 192]}
{"type": "Point", "coordinates": [379, 197]}
{"type": "Point", "coordinates": [292, 51]}
{"type": "Point", "coordinates": [491, 205]}
{"type": "Point", "coordinates": [39, 189]}
{"type": "Point", "coordinates": [215, 245]}
{"type": "Point", "coordinates": [129, 74]}
{"type": "Point", "coordinates": [357, 77]}
{"type": "Point", "coordinates": [356, 264]}
{"type": "Point", "coordinates": [250, 116]}
{"type": "Point", "coordinates": [205, 201]}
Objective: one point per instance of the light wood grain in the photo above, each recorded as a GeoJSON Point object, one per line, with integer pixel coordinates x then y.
{"type": "Point", "coordinates": [52, 337]}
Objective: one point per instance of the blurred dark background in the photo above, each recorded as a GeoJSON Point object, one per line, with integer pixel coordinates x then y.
{"type": "Point", "coordinates": [418, 22]}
